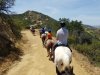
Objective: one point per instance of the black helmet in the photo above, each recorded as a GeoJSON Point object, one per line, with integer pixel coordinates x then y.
{"type": "Point", "coordinates": [49, 30]}
{"type": "Point", "coordinates": [62, 24]}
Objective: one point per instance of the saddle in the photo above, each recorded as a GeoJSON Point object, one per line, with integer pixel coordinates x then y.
{"type": "Point", "coordinates": [49, 42]}
{"type": "Point", "coordinates": [63, 46]}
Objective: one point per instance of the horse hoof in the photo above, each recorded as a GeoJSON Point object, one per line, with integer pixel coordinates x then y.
{"type": "Point", "coordinates": [49, 59]}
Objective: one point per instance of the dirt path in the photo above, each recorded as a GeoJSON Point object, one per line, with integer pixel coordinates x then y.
{"type": "Point", "coordinates": [35, 62]}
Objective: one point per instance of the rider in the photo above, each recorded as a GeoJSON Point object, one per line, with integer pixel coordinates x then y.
{"type": "Point", "coordinates": [42, 31]}
{"type": "Point", "coordinates": [49, 43]}
{"type": "Point", "coordinates": [61, 37]}
{"type": "Point", "coordinates": [49, 35]}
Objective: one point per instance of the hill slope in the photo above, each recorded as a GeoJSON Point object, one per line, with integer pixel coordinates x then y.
{"type": "Point", "coordinates": [9, 33]}
{"type": "Point", "coordinates": [85, 39]}
{"type": "Point", "coordinates": [95, 32]}
{"type": "Point", "coordinates": [35, 18]}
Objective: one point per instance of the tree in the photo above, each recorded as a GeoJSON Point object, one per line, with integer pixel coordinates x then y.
{"type": "Point", "coordinates": [6, 19]}
{"type": "Point", "coordinates": [5, 5]}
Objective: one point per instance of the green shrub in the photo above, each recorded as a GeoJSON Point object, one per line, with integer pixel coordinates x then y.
{"type": "Point", "coordinates": [91, 51]}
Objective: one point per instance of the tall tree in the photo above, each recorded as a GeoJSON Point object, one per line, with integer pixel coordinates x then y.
{"type": "Point", "coordinates": [5, 5]}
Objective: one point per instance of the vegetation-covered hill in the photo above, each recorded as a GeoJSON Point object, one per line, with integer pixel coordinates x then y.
{"type": "Point", "coordinates": [95, 32]}
{"type": "Point", "coordinates": [34, 18]}
{"type": "Point", "coordinates": [8, 30]}
{"type": "Point", "coordinates": [9, 33]}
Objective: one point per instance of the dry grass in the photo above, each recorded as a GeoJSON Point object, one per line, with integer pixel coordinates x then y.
{"type": "Point", "coordinates": [8, 60]}
{"type": "Point", "coordinates": [85, 63]}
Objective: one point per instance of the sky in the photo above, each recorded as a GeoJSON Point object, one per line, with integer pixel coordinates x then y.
{"type": "Point", "coordinates": [87, 11]}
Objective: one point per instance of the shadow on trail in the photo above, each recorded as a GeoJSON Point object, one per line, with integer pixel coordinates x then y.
{"type": "Point", "coordinates": [8, 57]}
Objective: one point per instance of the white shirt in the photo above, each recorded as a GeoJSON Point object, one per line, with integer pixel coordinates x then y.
{"type": "Point", "coordinates": [62, 35]}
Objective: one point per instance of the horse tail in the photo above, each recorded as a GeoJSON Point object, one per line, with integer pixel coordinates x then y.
{"type": "Point", "coordinates": [51, 44]}
{"type": "Point", "coordinates": [60, 65]}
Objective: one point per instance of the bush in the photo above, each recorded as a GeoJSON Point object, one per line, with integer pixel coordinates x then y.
{"type": "Point", "coordinates": [91, 51]}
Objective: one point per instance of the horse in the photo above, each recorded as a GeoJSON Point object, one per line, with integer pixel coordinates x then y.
{"type": "Point", "coordinates": [62, 60]}
{"type": "Point", "coordinates": [49, 44]}
{"type": "Point", "coordinates": [43, 37]}
{"type": "Point", "coordinates": [32, 30]}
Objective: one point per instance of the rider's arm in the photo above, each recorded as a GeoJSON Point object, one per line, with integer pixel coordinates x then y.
{"type": "Point", "coordinates": [57, 35]}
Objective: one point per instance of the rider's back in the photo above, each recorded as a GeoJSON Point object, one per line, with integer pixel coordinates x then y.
{"type": "Point", "coordinates": [49, 35]}
{"type": "Point", "coordinates": [62, 35]}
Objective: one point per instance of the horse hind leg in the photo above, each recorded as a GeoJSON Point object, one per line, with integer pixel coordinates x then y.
{"type": "Point", "coordinates": [48, 52]}
{"type": "Point", "coordinates": [58, 73]}
{"type": "Point", "coordinates": [52, 52]}
{"type": "Point", "coordinates": [43, 42]}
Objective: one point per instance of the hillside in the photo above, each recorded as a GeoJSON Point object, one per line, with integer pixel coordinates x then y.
{"type": "Point", "coordinates": [28, 18]}
{"type": "Point", "coordinates": [95, 32]}
{"type": "Point", "coordinates": [84, 38]}
{"type": "Point", "coordinates": [97, 26]}
{"type": "Point", "coordinates": [9, 34]}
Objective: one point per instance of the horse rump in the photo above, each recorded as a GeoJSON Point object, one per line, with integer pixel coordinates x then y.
{"type": "Point", "coordinates": [63, 57]}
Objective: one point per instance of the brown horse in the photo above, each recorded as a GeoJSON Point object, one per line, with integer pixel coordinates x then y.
{"type": "Point", "coordinates": [32, 30]}
{"type": "Point", "coordinates": [43, 37]}
{"type": "Point", "coordinates": [49, 44]}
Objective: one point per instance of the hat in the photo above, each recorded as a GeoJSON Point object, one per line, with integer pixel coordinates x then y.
{"type": "Point", "coordinates": [62, 24]}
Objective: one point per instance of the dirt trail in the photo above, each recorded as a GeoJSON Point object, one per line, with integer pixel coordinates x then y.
{"type": "Point", "coordinates": [35, 62]}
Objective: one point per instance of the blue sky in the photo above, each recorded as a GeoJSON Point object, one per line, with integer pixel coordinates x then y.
{"type": "Point", "coordinates": [87, 11]}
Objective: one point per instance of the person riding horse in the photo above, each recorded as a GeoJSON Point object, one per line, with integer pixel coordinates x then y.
{"type": "Point", "coordinates": [43, 36]}
{"type": "Point", "coordinates": [42, 31]}
{"type": "Point", "coordinates": [32, 29]}
{"type": "Point", "coordinates": [61, 37]}
{"type": "Point", "coordinates": [49, 43]}
{"type": "Point", "coordinates": [49, 35]}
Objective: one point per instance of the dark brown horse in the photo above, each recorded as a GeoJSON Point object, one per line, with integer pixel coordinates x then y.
{"type": "Point", "coordinates": [33, 30]}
